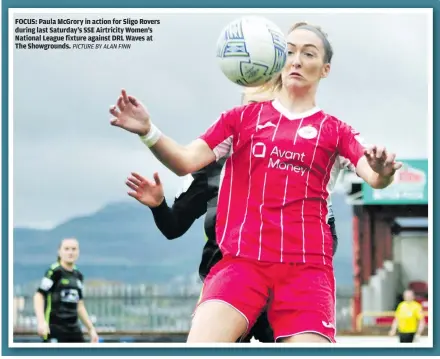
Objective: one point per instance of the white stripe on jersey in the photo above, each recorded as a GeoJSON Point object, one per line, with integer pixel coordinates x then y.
{"type": "Point", "coordinates": [250, 178]}
{"type": "Point", "coordinates": [282, 226]}
{"type": "Point", "coordinates": [230, 193]}
{"type": "Point", "coordinates": [222, 176]}
{"type": "Point", "coordinates": [307, 185]}
{"type": "Point", "coordinates": [333, 159]}
{"type": "Point", "coordinates": [261, 215]}
{"type": "Point", "coordinates": [241, 120]}
{"type": "Point", "coordinates": [296, 134]}
{"type": "Point", "coordinates": [276, 129]}
{"type": "Point", "coordinates": [336, 162]}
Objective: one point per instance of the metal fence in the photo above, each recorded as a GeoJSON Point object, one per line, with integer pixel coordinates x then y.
{"type": "Point", "coordinates": [132, 308]}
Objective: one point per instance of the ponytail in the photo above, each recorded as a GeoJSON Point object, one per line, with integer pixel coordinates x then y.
{"type": "Point", "coordinates": [58, 259]}
{"type": "Point", "coordinates": [273, 85]}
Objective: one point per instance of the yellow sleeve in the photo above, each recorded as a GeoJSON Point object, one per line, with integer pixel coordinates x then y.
{"type": "Point", "coordinates": [396, 313]}
{"type": "Point", "coordinates": [419, 311]}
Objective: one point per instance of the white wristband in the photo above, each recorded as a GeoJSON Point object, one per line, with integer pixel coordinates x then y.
{"type": "Point", "coordinates": [151, 137]}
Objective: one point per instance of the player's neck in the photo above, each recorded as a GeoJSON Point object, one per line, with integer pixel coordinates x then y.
{"type": "Point", "coordinates": [297, 102]}
{"type": "Point", "coordinates": [67, 266]}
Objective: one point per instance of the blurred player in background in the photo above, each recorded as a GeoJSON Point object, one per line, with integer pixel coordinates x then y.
{"type": "Point", "coordinates": [59, 301]}
{"type": "Point", "coordinates": [409, 321]}
{"type": "Point", "coordinates": [271, 223]}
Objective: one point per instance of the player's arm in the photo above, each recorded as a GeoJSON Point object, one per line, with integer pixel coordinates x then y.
{"type": "Point", "coordinates": [190, 205]}
{"type": "Point", "coordinates": [46, 286]}
{"type": "Point", "coordinates": [85, 319]}
{"type": "Point", "coordinates": [182, 160]}
{"type": "Point", "coordinates": [374, 179]}
{"type": "Point", "coordinates": [393, 329]}
{"type": "Point", "coordinates": [39, 300]}
{"type": "Point", "coordinates": [374, 165]}
{"type": "Point", "coordinates": [421, 318]}
{"type": "Point", "coordinates": [83, 314]}
{"type": "Point", "coordinates": [214, 144]}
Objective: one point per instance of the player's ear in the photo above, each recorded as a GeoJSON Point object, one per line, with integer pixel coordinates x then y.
{"type": "Point", "coordinates": [325, 70]}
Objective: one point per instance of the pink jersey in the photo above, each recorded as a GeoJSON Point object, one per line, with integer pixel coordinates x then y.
{"type": "Point", "coordinates": [274, 195]}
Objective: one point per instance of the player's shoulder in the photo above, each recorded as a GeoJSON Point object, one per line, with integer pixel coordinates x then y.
{"type": "Point", "coordinates": [339, 122]}
{"type": "Point", "coordinates": [332, 119]}
{"type": "Point", "coordinates": [54, 268]}
{"type": "Point", "coordinates": [416, 304]}
{"type": "Point", "coordinates": [77, 271]}
{"type": "Point", "coordinates": [400, 305]}
{"type": "Point", "coordinates": [55, 265]}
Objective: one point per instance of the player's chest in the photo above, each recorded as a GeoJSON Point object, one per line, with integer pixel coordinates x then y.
{"type": "Point", "coordinates": [407, 311]}
{"type": "Point", "coordinates": [303, 140]}
{"type": "Point", "coordinates": [68, 289]}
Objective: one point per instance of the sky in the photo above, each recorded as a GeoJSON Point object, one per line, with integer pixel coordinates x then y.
{"type": "Point", "coordinates": [69, 161]}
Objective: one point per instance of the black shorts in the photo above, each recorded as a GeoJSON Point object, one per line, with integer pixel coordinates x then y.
{"type": "Point", "coordinates": [406, 337]}
{"type": "Point", "coordinates": [65, 336]}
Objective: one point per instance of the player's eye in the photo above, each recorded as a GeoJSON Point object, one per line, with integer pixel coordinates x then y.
{"type": "Point", "coordinates": [289, 53]}
{"type": "Point", "coordinates": [309, 54]}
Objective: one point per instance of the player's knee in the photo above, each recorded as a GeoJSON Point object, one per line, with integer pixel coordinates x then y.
{"type": "Point", "coordinates": [306, 338]}
{"type": "Point", "coordinates": [217, 321]}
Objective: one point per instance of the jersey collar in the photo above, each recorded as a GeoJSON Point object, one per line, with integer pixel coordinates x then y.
{"type": "Point", "coordinates": [293, 116]}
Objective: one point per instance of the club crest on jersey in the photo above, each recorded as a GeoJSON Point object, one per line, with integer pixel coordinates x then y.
{"type": "Point", "coordinates": [308, 132]}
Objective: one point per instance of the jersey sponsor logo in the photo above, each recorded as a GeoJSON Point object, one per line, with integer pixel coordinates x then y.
{"type": "Point", "coordinates": [69, 296]}
{"type": "Point", "coordinates": [46, 283]}
{"type": "Point", "coordinates": [279, 158]}
{"type": "Point", "coordinates": [308, 132]}
{"type": "Point", "coordinates": [259, 149]}
{"type": "Point", "coordinates": [267, 124]}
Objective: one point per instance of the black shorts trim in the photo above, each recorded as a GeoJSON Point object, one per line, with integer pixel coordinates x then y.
{"type": "Point", "coordinates": [58, 336]}
{"type": "Point", "coordinates": [406, 337]}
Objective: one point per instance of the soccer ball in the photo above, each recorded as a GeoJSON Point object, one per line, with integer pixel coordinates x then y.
{"type": "Point", "coordinates": [251, 50]}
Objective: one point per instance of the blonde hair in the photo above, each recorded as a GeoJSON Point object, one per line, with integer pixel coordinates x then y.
{"type": "Point", "coordinates": [276, 82]}
{"type": "Point", "coordinates": [260, 90]}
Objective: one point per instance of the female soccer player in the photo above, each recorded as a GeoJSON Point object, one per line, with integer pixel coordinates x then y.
{"type": "Point", "coordinates": [271, 220]}
{"type": "Point", "coordinates": [197, 197]}
{"type": "Point", "coordinates": [59, 301]}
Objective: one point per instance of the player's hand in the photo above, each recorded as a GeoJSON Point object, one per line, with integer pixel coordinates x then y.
{"type": "Point", "coordinates": [43, 329]}
{"type": "Point", "coordinates": [94, 338]}
{"type": "Point", "coordinates": [417, 338]}
{"type": "Point", "coordinates": [130, 115]}
{"type": "Point", "coordinates": [149, 193]}
{"type": "Point", "coordinates": [381, 161]}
